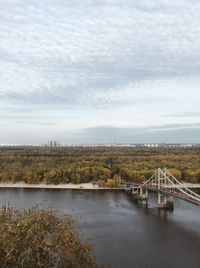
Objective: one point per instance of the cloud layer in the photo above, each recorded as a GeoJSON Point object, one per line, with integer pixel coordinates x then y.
{"type": "Point", "coordinates": [84, 64]}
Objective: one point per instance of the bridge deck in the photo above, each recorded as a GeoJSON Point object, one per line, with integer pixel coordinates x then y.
{"type": "Point", "coordinates": [172, 193]}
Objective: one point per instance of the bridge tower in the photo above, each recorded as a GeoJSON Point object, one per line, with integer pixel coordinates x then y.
{"type": "Point", "coordinates": [163, 201]}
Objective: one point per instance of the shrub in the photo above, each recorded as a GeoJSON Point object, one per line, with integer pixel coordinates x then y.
{"type": "Point", "coordinates": [39, 237]}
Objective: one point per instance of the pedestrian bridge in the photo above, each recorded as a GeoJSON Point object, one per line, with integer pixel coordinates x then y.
{"type": "Point", "coordinates": [166, 185]}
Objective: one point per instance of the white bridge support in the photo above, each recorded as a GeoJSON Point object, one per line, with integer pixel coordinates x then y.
{"type": "Point", "coordinates": [134, 190]}
{"type": "Point", "coordinates": [162, 200]}
{"type": "Point", "coordinates": [141, 195]}
{"type": "Point", "coordinates": [141, 191]}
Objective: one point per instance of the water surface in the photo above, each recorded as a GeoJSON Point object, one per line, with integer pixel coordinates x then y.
{"type": "Point", "coordinates": [124, 234]}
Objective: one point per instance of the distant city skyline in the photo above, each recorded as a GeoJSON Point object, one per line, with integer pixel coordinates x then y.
{"type": "Point", "coordinates": [98, 71]}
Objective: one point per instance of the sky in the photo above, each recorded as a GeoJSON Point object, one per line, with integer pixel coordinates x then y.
{"type": "Point", "coordinates": [99, 71]}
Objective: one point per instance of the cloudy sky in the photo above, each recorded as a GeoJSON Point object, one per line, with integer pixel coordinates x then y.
{"type": "Point", "coordinates": [99, 71]}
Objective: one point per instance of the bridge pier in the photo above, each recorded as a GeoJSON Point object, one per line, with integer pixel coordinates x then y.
{"type": "Point", "coordinates": [134, 190]}
{"type": "Point", "coordinates": [143, 197]}
{"type": "Point", "coordinates": [163, 202]}
{"type": "Point", "coordinates": [141, 192]}
{"type": "Point", "coordinates": [138, 195]}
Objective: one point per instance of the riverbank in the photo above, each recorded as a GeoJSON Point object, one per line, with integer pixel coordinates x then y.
{"type": "Point", "coordinates": [84, 186]}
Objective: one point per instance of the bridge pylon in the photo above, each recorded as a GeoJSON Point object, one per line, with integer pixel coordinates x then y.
{"type": "Point", "coordinates": [163, 202]}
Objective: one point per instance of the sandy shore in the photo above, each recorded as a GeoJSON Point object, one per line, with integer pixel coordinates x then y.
{"type": "Point", "coordinates": [88, 186]}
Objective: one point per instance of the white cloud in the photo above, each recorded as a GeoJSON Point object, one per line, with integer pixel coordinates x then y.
{"type": "Point", "coordinates": [66, 58]}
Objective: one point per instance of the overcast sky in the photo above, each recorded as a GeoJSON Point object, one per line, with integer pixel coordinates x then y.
{"type": "Point", "coordinates": [99, 71]}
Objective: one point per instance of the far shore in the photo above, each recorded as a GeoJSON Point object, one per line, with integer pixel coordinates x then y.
{"type": "Point", "coordinates": [84, 186]}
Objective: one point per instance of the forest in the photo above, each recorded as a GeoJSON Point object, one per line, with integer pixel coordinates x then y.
{"type": "Point", "coordinates": [103, 164]}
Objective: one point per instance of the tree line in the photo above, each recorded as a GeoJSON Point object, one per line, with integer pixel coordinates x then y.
{"type": "Point", "coordinates": [106, 165]}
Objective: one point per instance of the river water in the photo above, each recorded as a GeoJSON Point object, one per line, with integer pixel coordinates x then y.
{"type": "Point", "coordinates": [124, 234]}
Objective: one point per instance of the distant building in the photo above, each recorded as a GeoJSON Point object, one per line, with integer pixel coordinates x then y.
{"type": "Point", "coordinates": [53, 144]}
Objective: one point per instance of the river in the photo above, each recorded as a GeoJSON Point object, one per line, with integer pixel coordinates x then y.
{"type": "Point", "coordinates": [124, 234]}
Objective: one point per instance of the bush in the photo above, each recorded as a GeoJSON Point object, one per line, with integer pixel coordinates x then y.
{"type": "Point", "coordinates": [41, 238]}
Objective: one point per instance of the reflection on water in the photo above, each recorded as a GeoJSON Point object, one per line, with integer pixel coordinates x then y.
{"type": "Point", "coordinates": [123, 233]}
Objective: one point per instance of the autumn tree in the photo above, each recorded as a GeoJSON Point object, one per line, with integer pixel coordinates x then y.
{"type": "Point", "coordinates": [41, 238]}
{"type": "Point", "coordinates": [78, 164]}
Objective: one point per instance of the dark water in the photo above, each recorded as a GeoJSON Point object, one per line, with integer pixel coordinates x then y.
{"type": "Point", "coordinates": [124, 234]}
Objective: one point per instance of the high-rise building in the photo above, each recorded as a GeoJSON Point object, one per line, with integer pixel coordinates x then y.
{"type": "Point", "coordinates": [53, 144]}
